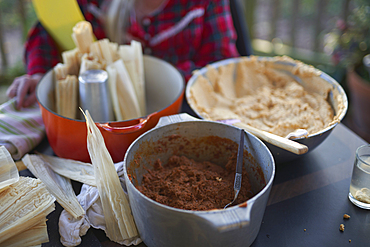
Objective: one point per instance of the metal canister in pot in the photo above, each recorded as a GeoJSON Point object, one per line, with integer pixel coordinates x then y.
{"type": "Point", "coordinates": [95, 96]}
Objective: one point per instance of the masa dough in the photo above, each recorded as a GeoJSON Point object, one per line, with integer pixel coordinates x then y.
{"type": "Point", "coordinates": [264, 95]}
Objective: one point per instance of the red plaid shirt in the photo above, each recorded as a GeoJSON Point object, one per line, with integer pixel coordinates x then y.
{"type": "Point", "coordinates": [186, 33]}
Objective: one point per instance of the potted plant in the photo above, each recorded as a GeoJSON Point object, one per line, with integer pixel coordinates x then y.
{"type": "Point", "coordinates": [349, 45]}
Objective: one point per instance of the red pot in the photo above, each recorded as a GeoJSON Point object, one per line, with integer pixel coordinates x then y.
{"type": "Point", "coordinates": [68, 137]}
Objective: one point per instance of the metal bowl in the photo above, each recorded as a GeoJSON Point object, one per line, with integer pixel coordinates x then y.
{"type": "Point", "coordinates": [165, 226]}
{"type": "Point", "coordinates": [312, 140]}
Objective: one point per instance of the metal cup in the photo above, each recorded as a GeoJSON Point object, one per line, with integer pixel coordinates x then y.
{"type": "Point", "coordinates": [95, 96]}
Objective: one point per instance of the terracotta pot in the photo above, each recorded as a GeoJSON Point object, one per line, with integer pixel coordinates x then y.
{"type": "Point", "coordinates": [360, 104]}
{"type": "Point", "coordinates": [68, 137]}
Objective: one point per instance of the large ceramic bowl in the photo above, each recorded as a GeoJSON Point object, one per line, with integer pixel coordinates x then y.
{"type": "Point", "coordinates": [164, 226]}
{"type": "Point", "coordinates": [337, 99]}
{"type": "Point", "coordinates": [164, 86]}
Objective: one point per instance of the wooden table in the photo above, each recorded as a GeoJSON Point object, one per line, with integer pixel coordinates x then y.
{"type": "Point", "coordinates": [306, 204]}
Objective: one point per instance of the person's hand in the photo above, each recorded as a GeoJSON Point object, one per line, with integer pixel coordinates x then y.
{"type": "Point", "coordinates": [24, 88]}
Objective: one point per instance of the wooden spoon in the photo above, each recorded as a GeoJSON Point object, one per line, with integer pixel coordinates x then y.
{"type": "Point", "coordinates": [276, 140]}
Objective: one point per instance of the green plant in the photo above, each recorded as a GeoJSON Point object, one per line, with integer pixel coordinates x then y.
{"type": "Point", "coordinates": [349, 41]}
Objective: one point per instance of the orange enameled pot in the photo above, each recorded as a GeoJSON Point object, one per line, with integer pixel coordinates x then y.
{"type": "Point", "coordinates": [164, 87]}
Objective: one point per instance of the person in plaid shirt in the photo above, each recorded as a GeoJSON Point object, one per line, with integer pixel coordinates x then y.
{"type": "Point", "coordinates": [186, 33]}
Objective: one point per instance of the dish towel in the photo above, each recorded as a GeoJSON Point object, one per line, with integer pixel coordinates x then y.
{"type": "Point", "coordinates": [20, 130]}
{"type": "Point", "coordinates": [71, 229]}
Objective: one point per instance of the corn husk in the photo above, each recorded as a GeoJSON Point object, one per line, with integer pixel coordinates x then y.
{"type": "Point", "coordinates": [95, 50]}
{"type": "Point", "coordinates": [61, 71]}
{"type": "Point", "coordinates": [105, 50]}
{"type": "Point", "coordinates": [67, 96]}
{"type": "Point", "coordinates": [57, 185]}
{"type": "Point", "coordinates": [89, 62]}
{"type": "Point", "coordinates": [132, 57]}
{"type": "Point", "coordinates": [71, 59]}
{"type": "Point", "coordinates": [72, 169]}
{"type": "Point", "coordinates": [24, 205]}
{"type": "Point", "coordinates": [120, 224]}
{"type": "Point", "coordinates": [36, 235]}
{"type": "Point", "coordinates": [8, 170]}
{"type": "Point", "coordinates": [125, 92]}
{"type": "Point", "coordinates": [113, 47]}
{"type": "Point", "coordinates": [112, 82]}
{"type": "Point", "coordinates": [83, 36]}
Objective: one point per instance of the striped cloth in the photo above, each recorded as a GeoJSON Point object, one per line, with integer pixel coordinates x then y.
{"type": "Point", "coordinates": [20, 130]}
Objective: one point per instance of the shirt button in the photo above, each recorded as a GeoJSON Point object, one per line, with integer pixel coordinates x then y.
{"type": "Point", "coordinates": [146, 22]}
{"type": "Point", "coordinates": [148, 51]}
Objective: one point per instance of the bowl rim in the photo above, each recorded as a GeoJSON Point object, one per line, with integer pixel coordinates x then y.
{"type": "Point", "coordinates": [181, 92]}
{"type": "Point", "coordinates": [291, 63]}
{"type": "Point", "coordinates": [267, 186]}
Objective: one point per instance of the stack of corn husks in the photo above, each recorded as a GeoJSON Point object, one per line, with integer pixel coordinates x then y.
{"type": "Point", "coordinates": [124, 64]}
{"type": "Point", "coordinates": [24, 204]}
{"type": "Point", "coordinates": [56, 174]}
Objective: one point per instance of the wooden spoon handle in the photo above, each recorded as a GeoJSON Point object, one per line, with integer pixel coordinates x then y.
{"type": "Point", "coordinates": [276, 140]}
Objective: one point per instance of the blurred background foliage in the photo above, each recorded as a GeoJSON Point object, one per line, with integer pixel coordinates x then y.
{"type": "Point", "coordinates": [16, 18]}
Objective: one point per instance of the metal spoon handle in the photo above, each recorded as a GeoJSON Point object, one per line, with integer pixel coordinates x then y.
{"type": "Point", "coordinates": [237, 182]}
{"type": "Point", "coordinates": [239, 164]}
{"type": "Point", "coordinates": [239, 158]}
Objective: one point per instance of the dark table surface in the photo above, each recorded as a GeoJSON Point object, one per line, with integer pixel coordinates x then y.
{"type": "Point", "coordinates": [306, 205]}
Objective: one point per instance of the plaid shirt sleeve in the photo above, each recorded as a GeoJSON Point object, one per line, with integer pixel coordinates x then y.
{"type": "Point", "coordinates": [41, 51]}
{"type": "Point", "coordinates": [218, 38]}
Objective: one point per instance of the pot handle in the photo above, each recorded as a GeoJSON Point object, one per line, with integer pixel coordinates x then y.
{"type": "Point", "coordinates": [177, 118]}
{"type": "Point", "coordinates": [126, 129]}
{"type": "Point", "coordinates": [228, 219]}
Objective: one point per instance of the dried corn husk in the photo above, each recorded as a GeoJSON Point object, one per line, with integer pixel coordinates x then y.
{"type": "Point", "coordinates": [33, 236]}
{"type": "Point", "coordinates": [113, 47]}
{"type": "Point", "coordinates": [83, 36]}
{"type": "Point", "coordinates": [24, 205]}
{"type": "Point", "coordinates": [112, 82]}
{"type": "Point", "coordinates": [132, 57]}
{"type": "Point", "coordinates": [58, 186]}
{"type": "Point", "coordinates": [67, 96]}
{"type": "Point", "coordinates": [125, 92]}
{"type": "Point", "coordinates": [72, 169]}
{"type": "Point", "coordinates": [89, 62]}
{"type": "Point", "coordinates": [95, 50]}
{"type": "Point", "coordinates": [8, 169]}
{"type": "Point", "coordinates": [120, 224]}
{"type": "Point", "coordinates": [71, 58]}
{"type": "Point", "coordinates": [105, 50]}
{"type": "Point", "coordinates": [61, 71]}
